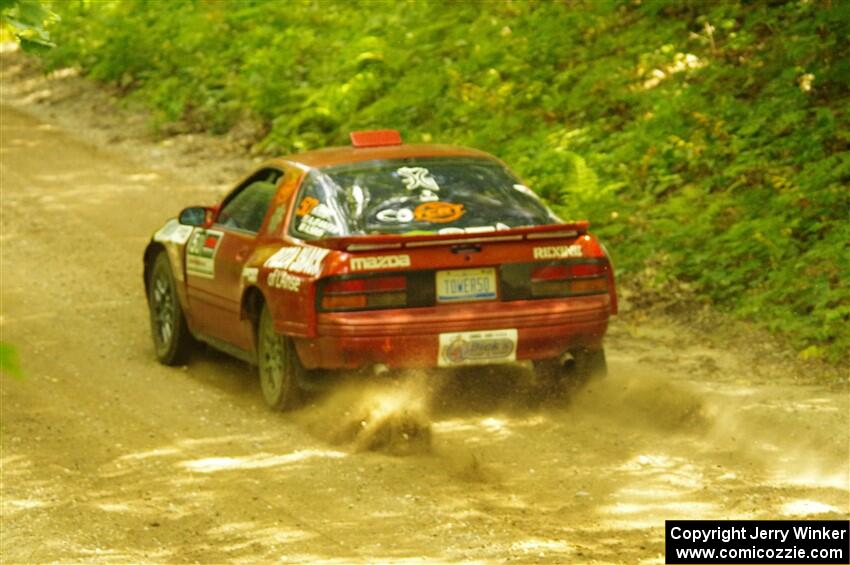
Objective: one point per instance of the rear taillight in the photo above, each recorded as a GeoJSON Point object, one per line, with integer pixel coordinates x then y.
{"type": "Point", "coordinates": [566, 279]}
{"type": "Point", "coordinates": [363, 293]}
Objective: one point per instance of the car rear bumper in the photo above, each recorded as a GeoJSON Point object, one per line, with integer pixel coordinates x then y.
{"type": "Point", "coordinates": [411, 338]}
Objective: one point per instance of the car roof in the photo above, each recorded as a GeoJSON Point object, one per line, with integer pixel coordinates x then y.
{"type": "Point", "coordinates": [332, 156]}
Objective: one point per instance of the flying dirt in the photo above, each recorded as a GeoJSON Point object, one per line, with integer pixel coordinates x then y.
{"type": "Point", "coordinates": [108, 456]}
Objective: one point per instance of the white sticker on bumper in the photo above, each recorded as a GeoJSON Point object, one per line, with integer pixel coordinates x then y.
{"type": "Point", "coordinates": [477, 348]}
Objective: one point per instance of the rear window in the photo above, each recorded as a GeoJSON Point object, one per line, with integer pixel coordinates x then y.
{"type": "Point", "coordinates": [415, 196]}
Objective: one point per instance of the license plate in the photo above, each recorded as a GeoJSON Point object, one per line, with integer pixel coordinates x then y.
{"type": "Point", "coordinates": [477, 348]}
{"type": "Point", "coordinates": [463, 285]}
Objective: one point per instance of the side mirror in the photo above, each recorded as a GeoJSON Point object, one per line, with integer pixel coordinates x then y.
{"type": "Point", "coordinates": [197, 216]}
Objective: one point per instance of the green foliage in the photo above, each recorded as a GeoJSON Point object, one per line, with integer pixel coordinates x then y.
{"type": "Point", "coordinates": [9, 362]}
{"type": "Point", "coordinates": [27, 20]}
{"type": "Point", "coordinates": [707, 141]}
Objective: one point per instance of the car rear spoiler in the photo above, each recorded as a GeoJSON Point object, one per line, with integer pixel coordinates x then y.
{"type": "Point", "coordinates": [393, 241]}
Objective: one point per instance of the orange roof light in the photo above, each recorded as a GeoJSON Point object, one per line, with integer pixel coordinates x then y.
{"type": "Point", "coordinates": [375, 138]}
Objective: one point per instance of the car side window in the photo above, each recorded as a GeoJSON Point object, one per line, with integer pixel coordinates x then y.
{"type": "Point", "coordinates": [246, 207]}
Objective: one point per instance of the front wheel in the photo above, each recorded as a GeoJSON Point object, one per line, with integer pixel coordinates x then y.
{"type": "Point", "coordinates": [171, 338]}
{"type": "Point", "coordinates": [279, 366]}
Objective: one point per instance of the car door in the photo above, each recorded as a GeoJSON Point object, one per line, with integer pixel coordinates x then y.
{"type": "Point", "coordinates": [216, 257]}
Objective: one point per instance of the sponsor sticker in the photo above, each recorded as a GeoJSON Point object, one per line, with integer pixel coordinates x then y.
{"type": "Point", "coordinates": [557, 252]}
{"type": "Point", "coordinates": [319, 221]}
{"type": "Point", "coordinates": [477, 348]}
{"type": "Point", "coordinates": [250, 274]}
{"type": "Point", "coordinates": [474, 229]}
{"type": "Point", "coordinates": [317, 227]}
{"type": "Point", "coordinates": [417, 177]}
{"type": "Point", "coordinates": [275, 219]}
{"type": "Point", "coordinates": [173, 232]}
{"type": "Point", "coordinates": [380, 262]}
{"type": "Point", "coordinates": [391, 216]}
{"type": "Point", "coordinates": [438, 212]}
{"type": "Point", "coordinates": [201, 251]}
{"type": "Point", "coordinates": [433, 212]}
{"type": "Point", "coordinates": [304, 260]}
{"type": "Point", "coordinates": [283, 280]}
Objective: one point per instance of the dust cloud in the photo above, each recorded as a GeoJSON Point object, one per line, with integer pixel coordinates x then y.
{"type": "Point", "coordinates": [390, 415]}
{"type": "Point", "coordinates": [642, 398]}
{"type": "Point", "coordinates": [395, 414]}
{"type": "Point", "coordinates": [403, 415]}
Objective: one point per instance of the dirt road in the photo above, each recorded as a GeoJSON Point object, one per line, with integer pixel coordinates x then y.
{"type": "Point", "coordinates": [108, 456]}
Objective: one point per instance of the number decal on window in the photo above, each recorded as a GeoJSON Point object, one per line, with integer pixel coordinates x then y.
{"type": "Point", "coordinates": [306, 206]}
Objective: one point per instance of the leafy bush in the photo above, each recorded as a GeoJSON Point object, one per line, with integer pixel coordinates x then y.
{"type": "Point", "coordinates": [707, 141]}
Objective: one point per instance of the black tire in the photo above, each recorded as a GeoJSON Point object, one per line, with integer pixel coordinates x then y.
{"type": "Point", "coordinates": [585, 365]}
{"type": "Point", "coordinates": [171, 338]}
{"type": "Point", "coordinates": [279, 367]}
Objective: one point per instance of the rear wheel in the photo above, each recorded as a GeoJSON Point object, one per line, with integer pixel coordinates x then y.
{"type": "Point", "coordinates": [581, 366]}
{"type": "Point", "coordinates": [171, 338]}
{"type": "Point", "coordinates": [279, 366]}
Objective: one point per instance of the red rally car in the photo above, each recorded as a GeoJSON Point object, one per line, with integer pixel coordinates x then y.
{"type": "Point", "coordinates": [380, 255]}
